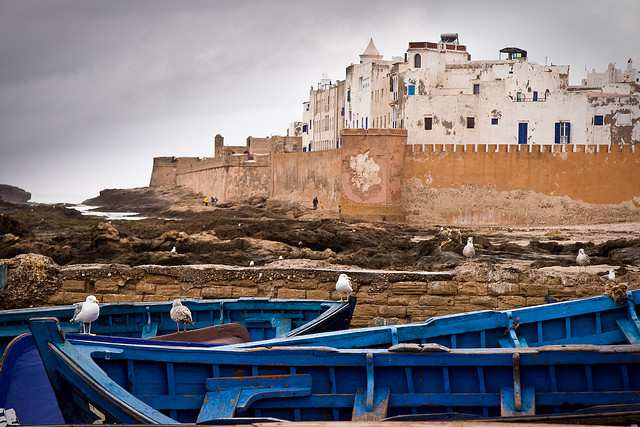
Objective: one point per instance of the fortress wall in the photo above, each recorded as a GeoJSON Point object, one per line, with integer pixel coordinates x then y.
{"type": "Point", "coordinates": [486, 184]}
{"type": "Point", "coordinates": [376, 176]}
{"type": "Point", "coordinates": [229, 182]}
{"type": "Point", "coordinates": [163, 172]}
{"type": "Point", "coordinates": [299, 177]}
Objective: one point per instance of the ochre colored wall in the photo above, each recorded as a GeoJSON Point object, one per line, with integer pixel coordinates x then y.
{"type": "Point", "coordinates": [592, 174]}
{"type": "Point", "coordinates": [301, 176]}
{"type": "Point", "coordinates": [526, 185]}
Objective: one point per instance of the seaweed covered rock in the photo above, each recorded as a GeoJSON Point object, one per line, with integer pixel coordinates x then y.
{"type": "Point", "coordinates": [31, 280]}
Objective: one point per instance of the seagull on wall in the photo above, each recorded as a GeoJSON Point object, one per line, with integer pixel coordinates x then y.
{"type": "Point", "coordinates": [86, 312]}
{"type": "Point", "coordinates": [612, 275]}
{"type": "Point", "coordinates": [343, 285]}
{"type": "Point", "coordinates": [469, 251]}
{"type": "Point", "coordinates": [582, 259]}
{"type": "Point", "coordinates": [180, 314]}
{"type": "Point", "coordinates": [174, 250]}
{"type": "Point", "coordinates": [251, 263]}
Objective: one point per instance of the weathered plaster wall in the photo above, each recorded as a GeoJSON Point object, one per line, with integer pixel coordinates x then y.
{"type": "Point", "coordinates": [298, 177]}
{"type": "Point", "coordinates": [230, 182]}
{"type": "Point", "coordinates": [371, 173]}
{"type": "Point", "coordinates": [497, 186]}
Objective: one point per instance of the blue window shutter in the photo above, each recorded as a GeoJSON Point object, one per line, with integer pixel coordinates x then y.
{"type": "Point", "coordinates": [535, 95]}
{"type": "Point", "coordinates": [366, 122]}
{"type": "Point", "coordinates": [557, 138]}
{"type": "Point", "coordinates": [568, 132]}
{"type": "Point", "coordinates": [598, 120]}
{"type": "Point", "coordinates": [411, 90]}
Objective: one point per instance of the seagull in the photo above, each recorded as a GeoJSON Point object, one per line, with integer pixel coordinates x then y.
{"type": "Point", "coordinates": [343, 285]}
{"type": "Point", "coordinates": [251, 263]}
{"type": "Point", "coordinates": [86, 312]}
{"type": "Point", "coordinates": [280, 257]}
{"type": "Point", "coordinates": [180, 314]}
{"type": "Point", "coordinates": [582, 259]}
{"type": "Point", "coordinates": [174, 250]}
{"type": "Point", "coordinates": [469, 251]}
{"type": "Point", "coordinates": [612, 275]}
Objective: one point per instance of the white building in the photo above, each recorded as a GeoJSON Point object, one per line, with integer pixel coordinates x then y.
{"type": "Point", "coordinates": [440, 96]}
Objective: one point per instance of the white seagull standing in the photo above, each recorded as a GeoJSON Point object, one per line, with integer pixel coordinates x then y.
{"type": "Point", "coordinates": [174, 250]}
{"type": "Point", "coordinates": [86, 312]}
{"type": "Point", "coordinates": [469, 251]}
{"type": "Point", "coordinates": [343, 285]}
{"type": "Point", "coordinates": [251, 263]}
{"type": "Point", "coordinates": [582, 259]}
{"type": "Point", "coordinates": [612, 275]}
{"type": "Point", "coordinates": [180, 314]}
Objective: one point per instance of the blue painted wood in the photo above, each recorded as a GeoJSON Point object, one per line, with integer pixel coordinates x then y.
{"type": "Point", "coordinates": [468, 381]}
{"type": "Point", "coordinates": [584, 321]}
{"type": "Point", "coordinates": [508, 407]}
{"type": "Point", "coordinates": [150, 319]}
{"type": "Point", "coordinates": [376, 410]}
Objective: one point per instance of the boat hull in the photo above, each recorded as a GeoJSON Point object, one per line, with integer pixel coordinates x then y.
{"type": "Point", "coordinates": [264, 318]}
{"type": "Point", "coordinates": [595, 320]}
{"type": "Point", "coordinates": [130, 383]}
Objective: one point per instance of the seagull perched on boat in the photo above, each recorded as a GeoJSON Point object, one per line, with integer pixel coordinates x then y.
{"type": "Point", "coordinates": [86, 312]}
{"type": "Point", "coordinates": [180, 314]}
{"type": "Point", "coordinates": [582, 259]}
{"type": "Point", "coordinates": [469, 251]}
{"type": "Point", "coordinates": [343, 285]}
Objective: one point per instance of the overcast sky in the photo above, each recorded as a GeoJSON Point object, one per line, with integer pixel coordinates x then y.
{"type": "Point", "coordinates": [91, 91]}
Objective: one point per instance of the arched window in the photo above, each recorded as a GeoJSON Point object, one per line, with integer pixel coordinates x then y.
{"type": "Point", "coordinates": [417, 61]}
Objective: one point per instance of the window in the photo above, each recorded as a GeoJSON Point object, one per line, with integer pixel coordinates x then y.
{"type": "Point", "coordinates": [598, 120]}
{"type": "Point", "coordinates": [535, 95]}
{"type": "Point", "coordinates": [476, 89]}
{"type": "Point", "coordinates": [390, 84]}
{"type": "Point", "coordinates": [417, 60]}
{"type": "Point", "coordinates": [349, 95]}
{"type": "Point", "coordinates": [519, 96]}
{"type": "Point", "coordinates": [562, 133]}
{"type": "Point", "coordinates": [411, 90]}
{"type": "Point", "coordinates": [471, 122]}
{"type": "Point", "coordinates": [305, 128]}
{"type": "Point", "coordinates": [428, 123]}
{"type": "Point", "coordinates": [494, 121]}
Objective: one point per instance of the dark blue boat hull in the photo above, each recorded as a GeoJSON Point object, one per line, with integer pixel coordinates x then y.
{"type": "Point", "coordinates": [131, 383]}
{"type": "Point", "coordinates": [24, 385]}
{"type": "Point", "coordinates": [264, 318]}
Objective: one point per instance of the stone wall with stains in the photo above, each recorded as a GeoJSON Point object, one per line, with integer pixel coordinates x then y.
{"type": "Point", "coordinates": [383, 297]}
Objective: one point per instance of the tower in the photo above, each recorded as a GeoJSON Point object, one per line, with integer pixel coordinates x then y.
{"type": "Point", "coordinates": [370, 54]}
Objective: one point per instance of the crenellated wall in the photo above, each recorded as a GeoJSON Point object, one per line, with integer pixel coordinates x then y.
{"type": "Point", "coordinates": [376, 175]}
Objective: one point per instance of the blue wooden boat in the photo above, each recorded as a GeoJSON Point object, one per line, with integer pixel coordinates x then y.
{"type": "Point", "coordinates": [263, 317]}
{"type": "Point", "coordinates": [596, 320]}
{"type": "Point", "coordinates": [25, 387]}
{"type": "Point", "coordinates": [147, 382]}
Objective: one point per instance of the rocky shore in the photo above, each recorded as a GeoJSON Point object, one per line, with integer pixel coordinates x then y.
{"type": "Point", "coordinates": [182, 231]}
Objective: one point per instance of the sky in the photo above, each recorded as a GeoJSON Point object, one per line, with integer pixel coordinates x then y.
{"type": "Point", "coordinates": [91, 91]}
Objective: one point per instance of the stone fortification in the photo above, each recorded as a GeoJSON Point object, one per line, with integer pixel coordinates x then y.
{"type": "Point", "coordinates": [376, 175]}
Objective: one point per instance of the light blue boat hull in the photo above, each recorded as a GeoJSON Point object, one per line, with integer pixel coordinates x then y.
{"type": "Point", "coordinates": [597, 320]}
